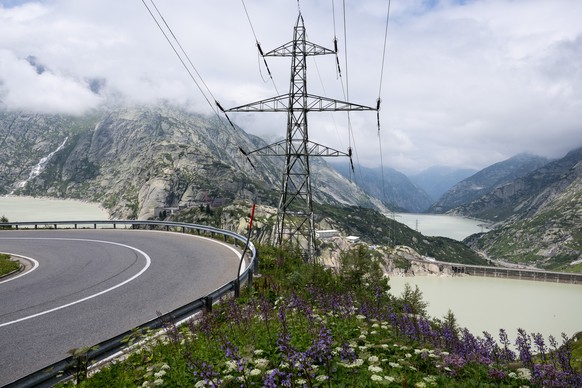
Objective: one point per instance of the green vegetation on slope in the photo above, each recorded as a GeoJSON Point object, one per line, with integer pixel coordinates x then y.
{"type": "Point", "coordinates": [375, 228]}
{"type": "Point", "coordinates": [302, 325]}
{"type": "Point", "coordinates": [551, 239]}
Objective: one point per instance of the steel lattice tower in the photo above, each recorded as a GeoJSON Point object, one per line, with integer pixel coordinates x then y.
{"type": "Point", "coordinates": [295, 217]}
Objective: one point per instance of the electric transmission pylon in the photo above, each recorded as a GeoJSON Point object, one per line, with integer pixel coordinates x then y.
{"type": "Point", "coordinates": [295, 217]}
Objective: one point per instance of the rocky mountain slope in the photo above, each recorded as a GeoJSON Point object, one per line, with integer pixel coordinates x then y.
{"type": "Point", "coordinates": [486, 181]}
{"type": "Point", "coordinates": [542, 213]}
{"type": "Point", "coordinates": [391, 186]}
{"type": "Point", "coordinates": [133, 160]}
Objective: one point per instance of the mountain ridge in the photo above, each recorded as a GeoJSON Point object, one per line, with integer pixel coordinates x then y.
{"type": "Point", "coordinates": [540, 216]}
{"type": "Point", "coordinates": [135, 159]}
{"type": "Point", "coordinates": [391, 186]}
{"type": "Point", "coordinates": [486, 181]}
{"type": "Point", "coordinates": [437, 180]}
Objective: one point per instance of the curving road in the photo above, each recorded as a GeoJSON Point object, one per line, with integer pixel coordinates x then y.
{"type": "Point", "coordinates": [91, 285]}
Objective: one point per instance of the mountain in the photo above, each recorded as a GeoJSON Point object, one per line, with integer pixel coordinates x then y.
{"type": "Point", "coordinates": [389, 185]}
{"type": "Point", "coordinates": [542, 214]}
{"type": "Point", "coordinates": [486, 181]}
{"type": "Point", "coordinates": [132, 160]}
{"type": "Point", "coordinates": [436, 180]}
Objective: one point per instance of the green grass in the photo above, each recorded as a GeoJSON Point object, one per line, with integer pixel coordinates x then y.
{"type": "Point", "coordinates": [304, 325]}
{"type": "Point", "coordinates": [7, 265]}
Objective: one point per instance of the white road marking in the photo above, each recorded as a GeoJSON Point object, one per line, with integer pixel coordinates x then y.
{"type": "Point", "coordinates": [148, 263]}
{"type": "Point", "coordinates": [34, 266]}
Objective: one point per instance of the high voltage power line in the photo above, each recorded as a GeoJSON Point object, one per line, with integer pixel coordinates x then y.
{"type": "Point", "coordinates": [295, 217]}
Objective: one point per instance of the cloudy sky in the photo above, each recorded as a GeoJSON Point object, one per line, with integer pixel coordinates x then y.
{"type": "Point", "coordinates": [464, 83]}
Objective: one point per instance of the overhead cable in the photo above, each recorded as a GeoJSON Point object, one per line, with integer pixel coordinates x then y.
{"type": "Point", "coordinates": [382, 66]}
{"type": "Point", "coordinates": [181, 55]}
{"type": "Point", "coordinates": [380, 98]}
{"type": "Point", "coordinates": [261, 53]}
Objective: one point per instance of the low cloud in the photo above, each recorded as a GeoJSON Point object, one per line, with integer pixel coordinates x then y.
{"type": "Point", "coordinates": [465, 84]}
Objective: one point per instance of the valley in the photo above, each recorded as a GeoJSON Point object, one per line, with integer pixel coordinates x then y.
{"type": "Point", "coordinates": [162, 161]}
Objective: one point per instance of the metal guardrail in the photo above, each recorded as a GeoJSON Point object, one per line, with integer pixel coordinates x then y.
{"type": "Point", "coordinates": [518, 273]}
{"type": "Point", "coordinates": [508, 272]}
{"type": "Point", "coordinates": [68, 368]}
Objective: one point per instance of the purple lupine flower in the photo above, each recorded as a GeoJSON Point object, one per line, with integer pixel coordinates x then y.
{"type": "Point", "coordinates": [507, 355]}
{"type": "Point", "coordinates": [565, 354]}
{"type": "Point", "coordinates": [490, 347]}
{"type": "Point", "coordinates": [496, 374]}
{"type": "Point", "coordinates": [523, 344]}
{"type": "Point", "coordinates": [204, 371]}
{"type": "Point", "coordinates": [425, 329]}
{"type": "Point", "coordinates": [453, 363]}
{"type": "Point", "coordinates": [540, 345]}
{"type": "Point", "coordinates": [347, 354]}
{"type": "Point", "coordinates": [548, 376]}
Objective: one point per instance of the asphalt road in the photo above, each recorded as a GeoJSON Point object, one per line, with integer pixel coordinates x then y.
{"type": "Point", "coordinates": [91, 285]}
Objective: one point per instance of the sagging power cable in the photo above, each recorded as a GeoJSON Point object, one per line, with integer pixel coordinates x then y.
{"type": "Point", "coordinates": [184, 59]}
{"type": "Point", "coordinates": [346, 92]}
{"type": "Point", "coordinates": [380, 97]}
{"type": "Point", "coordinates": [261, 53]}
{"type": "Point", "coordinates": [335, 46]}
{"type": "Point", "coordinates": [383, 61]}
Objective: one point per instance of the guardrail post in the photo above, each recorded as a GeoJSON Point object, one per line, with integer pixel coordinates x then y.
{"type": "Point", "coordinates": [237, 287]}
{"type": "Point", "coordinates": [208, 303]}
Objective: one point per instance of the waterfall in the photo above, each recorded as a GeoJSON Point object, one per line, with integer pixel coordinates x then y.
{"type": "Point", "coordinates": [39, 167]}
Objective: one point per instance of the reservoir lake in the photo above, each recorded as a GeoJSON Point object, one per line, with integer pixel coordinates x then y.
{"type": "Point", "coordinates": [444, 225]}
{"type": "Point", "coordinates": [47, 209]}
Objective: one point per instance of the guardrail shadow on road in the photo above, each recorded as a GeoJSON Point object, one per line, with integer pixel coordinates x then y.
{"type": "Point", "coordinates": [76, 365]}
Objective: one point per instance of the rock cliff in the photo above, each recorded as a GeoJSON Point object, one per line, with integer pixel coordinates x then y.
{"type": "Point", "coordinates": [133, 160]}
{"type": "Point", "coordinates": [535, 206]}
{"type": "Point", "coordinates": [484, 183]}
{"type": "Point", "coordinates": [543, 214]}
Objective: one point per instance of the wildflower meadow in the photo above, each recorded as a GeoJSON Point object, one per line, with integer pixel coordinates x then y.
{"type": "Point", "coordinates": [303, 325]}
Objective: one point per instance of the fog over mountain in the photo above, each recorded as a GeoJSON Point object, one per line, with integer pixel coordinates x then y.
{"type": "Point", "coordinates": [436, 180]}
{"type": "Point", "coordinates": [392, 187]}
{"type": "Point", "coordinates": [465, 84]}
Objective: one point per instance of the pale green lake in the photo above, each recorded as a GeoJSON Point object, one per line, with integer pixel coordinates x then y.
{"type": "Point", "coordinates": [48, 209]}
{"type": "Point", "coordinates": [489, 304]}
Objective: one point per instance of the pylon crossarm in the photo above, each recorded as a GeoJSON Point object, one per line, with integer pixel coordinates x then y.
{"type": "Point", "coordinates": [314, 103]}
{"type": "Point", "coordinates": [287, 50]}
{"type": "Point", "coordinates": [316, 149]}
{"type": "Point", "coordinates": [275, 149]}
{"type": "Point", "coordinates": [324, 104]}
{"type": "Point", "coordinates": [273, 104]}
